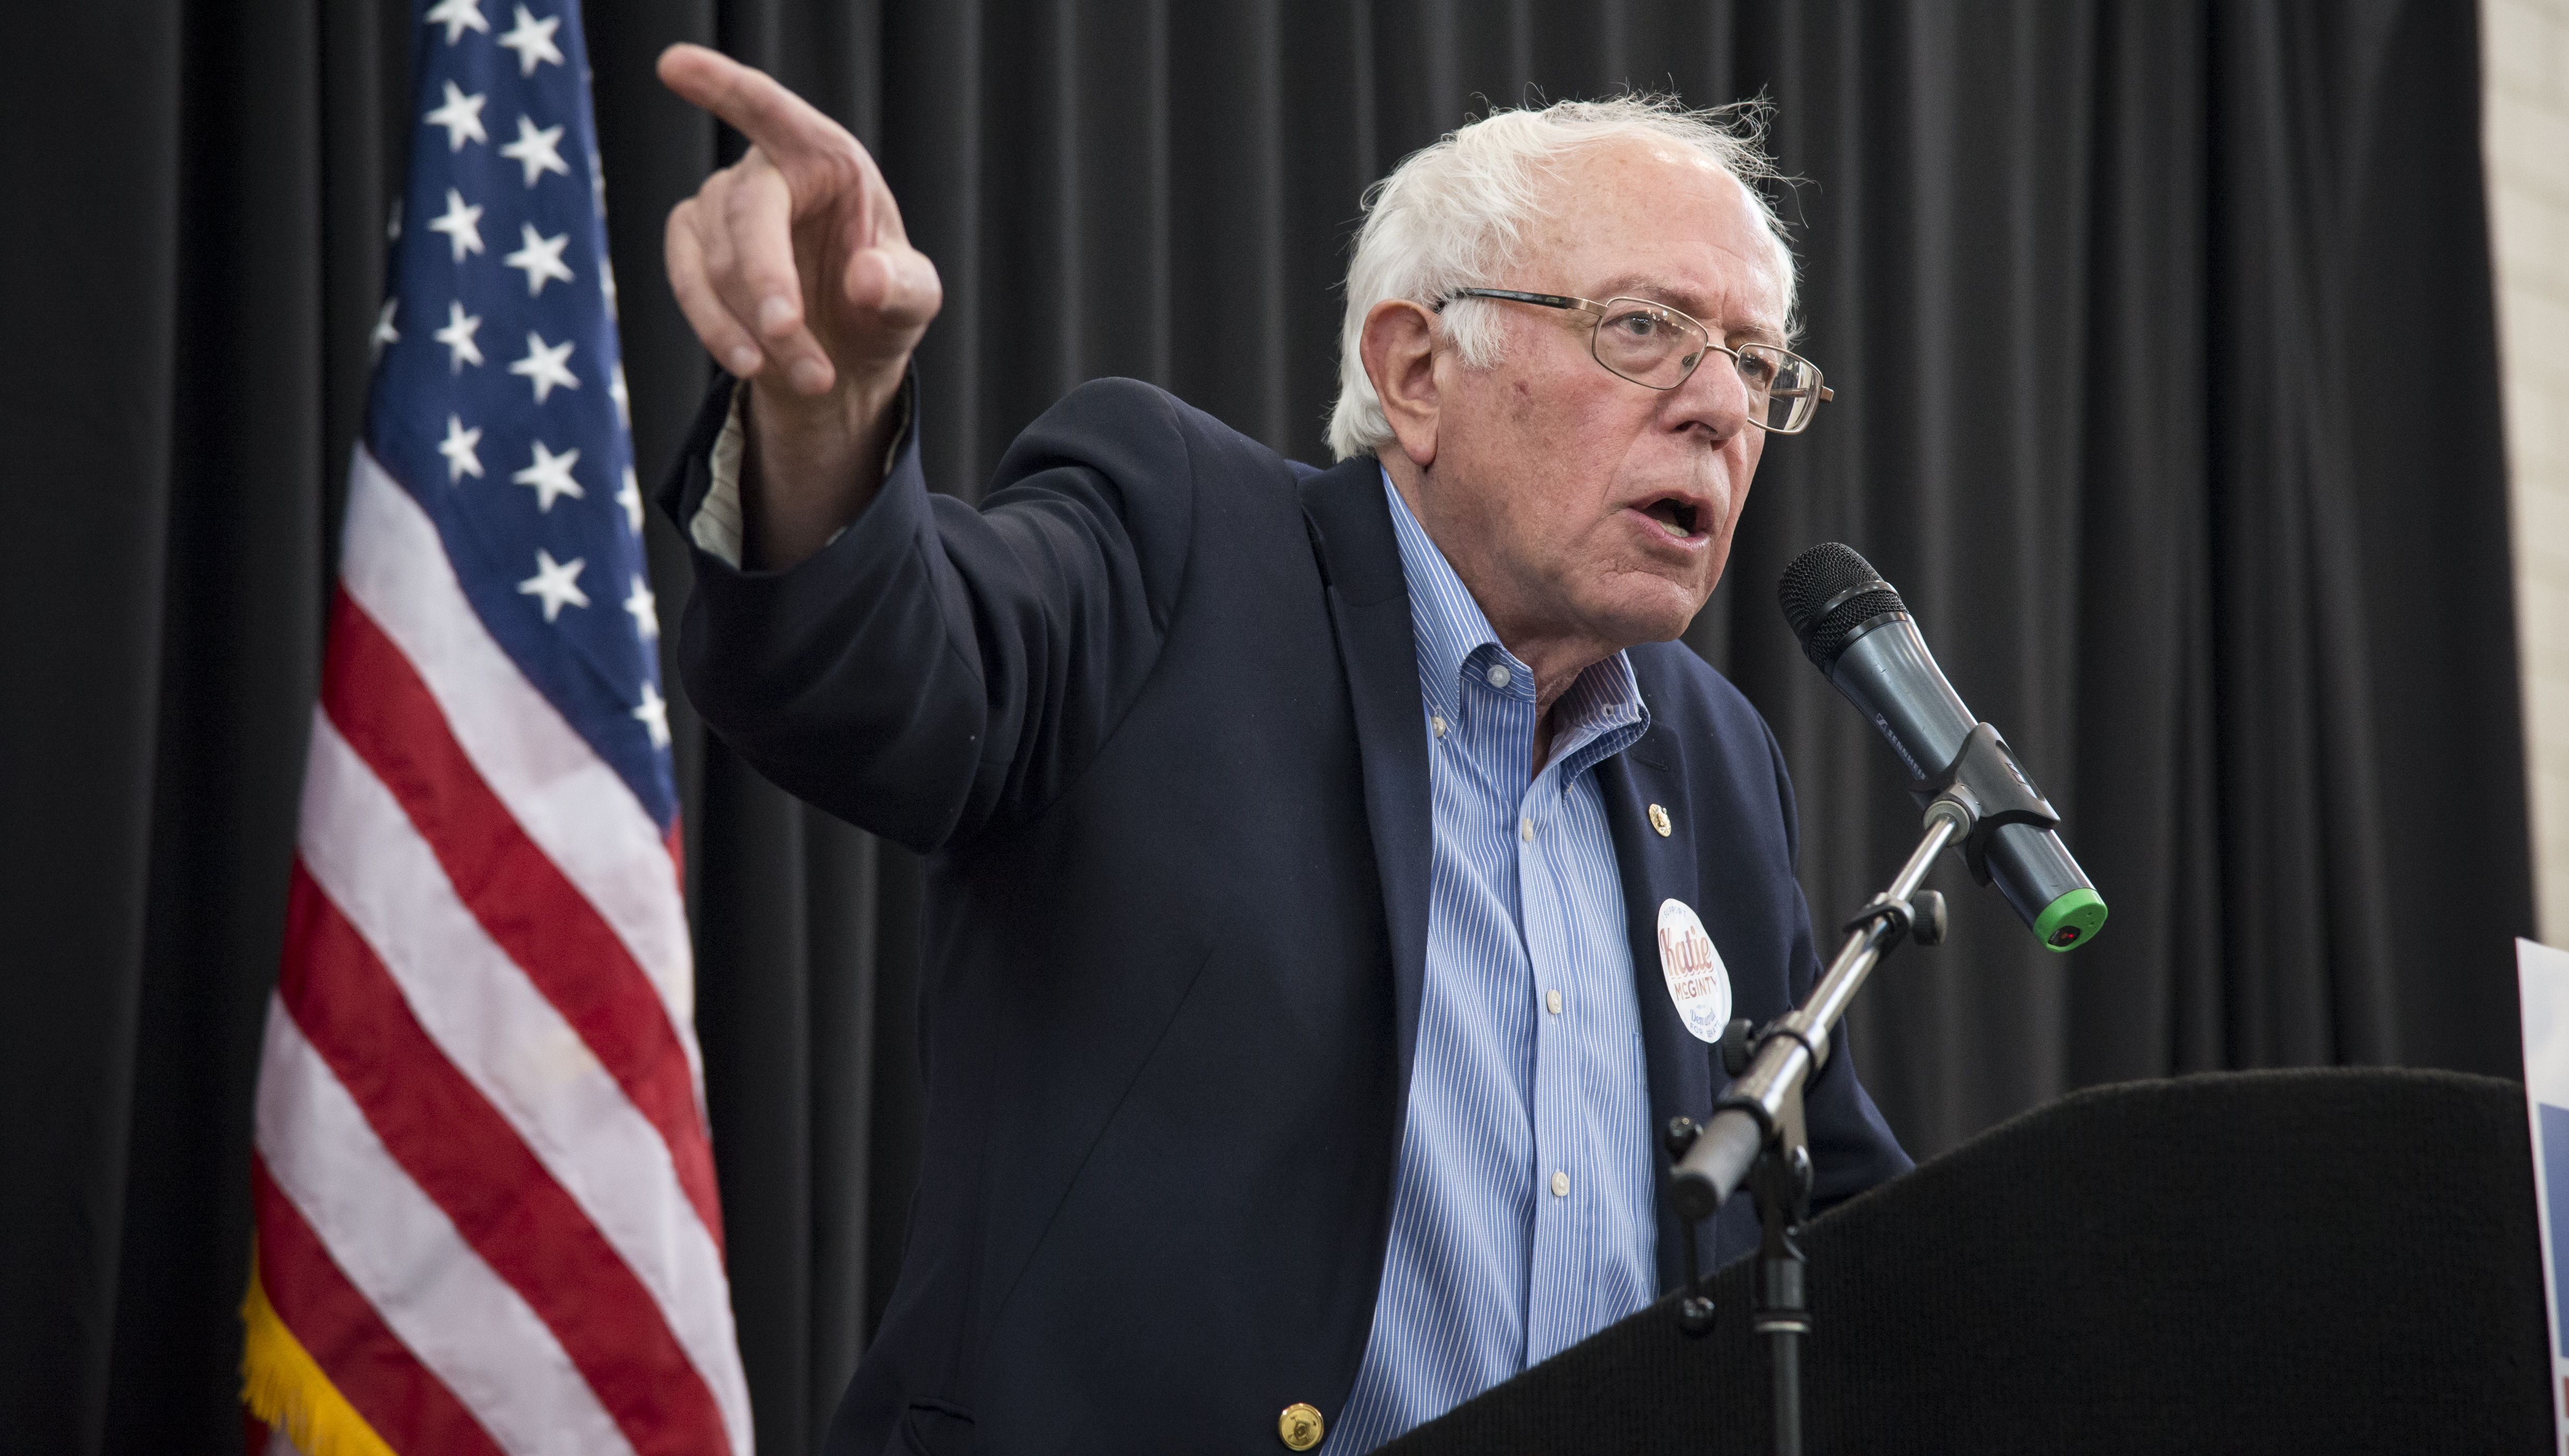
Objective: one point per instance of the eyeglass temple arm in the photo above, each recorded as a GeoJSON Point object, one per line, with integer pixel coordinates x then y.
{"type": "Point", "coordinates": [1549, 300]}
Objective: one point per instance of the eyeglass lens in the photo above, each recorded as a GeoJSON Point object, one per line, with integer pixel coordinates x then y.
{"type": "Point", "coordinates": [1793, 388]}
{"type": "Point", "coordinates": [1647, 344]}
{"type": "Point", "coordinates": [1650, 345]}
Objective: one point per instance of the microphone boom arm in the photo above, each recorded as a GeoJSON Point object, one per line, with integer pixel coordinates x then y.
{"type": "Point", "coordinates": [1981, 792]}
{"type": "Point", "coordinates": [1756, 1132]}
{"type": "Point", "coordinates": [1766, 1098]}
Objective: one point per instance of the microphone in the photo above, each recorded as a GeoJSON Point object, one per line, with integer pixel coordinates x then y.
{"type": "Point", "coordinates": [1855, 628]}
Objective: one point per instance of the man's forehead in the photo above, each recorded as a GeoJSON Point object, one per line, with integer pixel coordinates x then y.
{"type": "Point", "coordinates": [1664, 223]}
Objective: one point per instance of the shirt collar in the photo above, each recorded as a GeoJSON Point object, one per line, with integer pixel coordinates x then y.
{"type": "Point", "coordinates": [1600, 714]}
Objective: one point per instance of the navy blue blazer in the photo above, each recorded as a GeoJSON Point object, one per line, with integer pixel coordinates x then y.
{"type": "Point", "coordinates": [1152, 714]}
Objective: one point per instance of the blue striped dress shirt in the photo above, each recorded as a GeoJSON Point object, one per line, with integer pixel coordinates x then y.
{"type": "Point", "coordinates": [1522, 1215]}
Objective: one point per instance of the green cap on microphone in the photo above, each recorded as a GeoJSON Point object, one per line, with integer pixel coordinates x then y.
{"type": "Point", "coordinates": [2071, 920]}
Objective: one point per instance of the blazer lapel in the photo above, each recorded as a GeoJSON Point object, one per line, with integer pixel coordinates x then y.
{"type": "Point", "coordinates": [1657, 866]}
{"type": "Point", "coordinates": [1359, 557]}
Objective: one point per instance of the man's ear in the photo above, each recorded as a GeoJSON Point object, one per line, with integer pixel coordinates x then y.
{"type": "Point", "coordinates": [1399, 352]}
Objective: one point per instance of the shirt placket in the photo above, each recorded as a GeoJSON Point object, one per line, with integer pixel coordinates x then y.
{"type": "Point", "coordinates": [1564, 1193]}
{"type": "Point", "coordinates": [1496, 702]}
{"type": "Point", "coordinates": [1567, 1237]}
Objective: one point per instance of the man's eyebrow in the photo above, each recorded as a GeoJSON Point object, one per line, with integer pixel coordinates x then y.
{"type": "Point", "coordinates": [1659, 290]}
{"type": "Point", "coordinates": [1689, 302]}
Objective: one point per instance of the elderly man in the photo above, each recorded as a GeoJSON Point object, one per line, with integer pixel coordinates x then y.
{"type": "Point", "coordinates": [1295, 1015]}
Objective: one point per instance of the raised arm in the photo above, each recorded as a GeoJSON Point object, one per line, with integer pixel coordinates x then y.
{"type": "Point", "coordinates": [793, 268]}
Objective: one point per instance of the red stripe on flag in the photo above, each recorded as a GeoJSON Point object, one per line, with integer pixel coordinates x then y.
{"type": "Point", "coordinates": [466, 1157]}
{"type": "Point", "coordinates": [534, 913]}
{"type": "Point", "coordinates": [400, 1397]}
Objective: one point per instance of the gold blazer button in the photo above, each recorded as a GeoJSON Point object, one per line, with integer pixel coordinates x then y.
{"type": "Point", "coordinates": [1298, 1427]}
{"type": "Point", "coordinates": [1659, 820]}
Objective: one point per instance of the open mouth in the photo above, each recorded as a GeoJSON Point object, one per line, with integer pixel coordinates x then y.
{"type": "Point", "coordinates": [1674, 517]}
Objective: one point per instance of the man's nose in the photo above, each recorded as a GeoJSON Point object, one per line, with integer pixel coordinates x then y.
{"type": "Point", "coordinates": [1714, 396]}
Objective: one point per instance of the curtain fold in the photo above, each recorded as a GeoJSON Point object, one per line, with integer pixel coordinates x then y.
{"type": "Point", "coordinates": [2128, 307]}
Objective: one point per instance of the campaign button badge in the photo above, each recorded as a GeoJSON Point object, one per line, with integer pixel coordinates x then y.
{"type": "Point", "coordinates": [1697, 980]}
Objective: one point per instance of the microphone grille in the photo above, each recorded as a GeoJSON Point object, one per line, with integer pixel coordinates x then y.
{"type": "Point", "coordinates": [1828, 592]}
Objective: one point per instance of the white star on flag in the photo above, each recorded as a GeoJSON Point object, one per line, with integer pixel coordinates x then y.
{"type": "Point", "coordinates": [606, 284]}
{"type": "Point", "coordinates": [617, 391]}
{"type": "Point", "coordinates": [556, 582]}
{"type": "Point", "coordinates": [550, 475]}
{"type": "Point", "coordinates": [646, 609]}
{"type": "Point", "coordinates": [539, 258]}
{"type": "Point", "coordinates": [543, 366]}
{"type": "Point", "coordinates": [383, 332]}
{"type": "Point", "coordinates": [536, 150]}
{"type": "Point", "coordinates": [630, 498]}
{"type": "Point", "coordinates": [456, 446]}
{"type": "Point", "coordinates": [458, 16]}
{"type": "Point", "coordinates": [458, 336]}
{"type": "Point", "coordinates": [461, 117]}
{"type": "Point", "coordinates": [461, 224]}
{"type": "Point", "coordinates": [532, 40]}
{"type": "Point", "coordinates": [655, 715]}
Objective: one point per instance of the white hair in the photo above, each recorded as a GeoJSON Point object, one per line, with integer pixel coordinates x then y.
{"type": "Point", "coordinates": [1453, 215]}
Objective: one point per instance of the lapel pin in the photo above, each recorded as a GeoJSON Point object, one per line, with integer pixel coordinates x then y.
{"type": "Point", "coordinates": [1659, 820]}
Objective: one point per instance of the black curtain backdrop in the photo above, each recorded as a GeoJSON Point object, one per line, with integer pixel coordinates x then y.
{"type": "Point", "coordinates": [2163, 345]}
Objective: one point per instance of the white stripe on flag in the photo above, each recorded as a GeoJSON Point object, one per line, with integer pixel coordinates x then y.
{"type": "Point", "coordinates": [559, 790]}
{"type": "Point", "coordinates": [406, 1258]}
{"type": "Point", "coordinates": [516, 1048]}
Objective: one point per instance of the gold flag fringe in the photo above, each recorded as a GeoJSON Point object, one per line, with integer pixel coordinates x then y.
{"type": "Point", "coordinates": [284, 1385]}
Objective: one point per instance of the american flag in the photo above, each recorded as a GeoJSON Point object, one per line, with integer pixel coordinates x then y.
{"type": "Point", "coordinates": [485, 1209]}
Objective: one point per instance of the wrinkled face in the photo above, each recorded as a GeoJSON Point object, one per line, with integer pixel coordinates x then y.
{"type": "Point", "coordinates": [1577, 503]}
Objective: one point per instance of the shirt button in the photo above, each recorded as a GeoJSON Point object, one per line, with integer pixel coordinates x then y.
{"type": "Point", "coordinates": [1561, 1185]}
{"type": "Point", "coordinates": [1498, 675]}
{"type": "Point", "coordinates": [1437, 723]}
{"type": "Point", "coordinates": [1552, 1002]}
{"type": "Point", "coordinates": [1525, 830]}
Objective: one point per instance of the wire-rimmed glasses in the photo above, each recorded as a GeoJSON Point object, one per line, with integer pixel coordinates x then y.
{"type": "Point", "coordinates": [1657, 347]}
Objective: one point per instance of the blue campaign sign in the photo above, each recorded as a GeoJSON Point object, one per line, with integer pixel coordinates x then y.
{"type": "Point", "coordinates": [2555, 1178]}
{"type": "Point", "coordinates": [2542, 987]}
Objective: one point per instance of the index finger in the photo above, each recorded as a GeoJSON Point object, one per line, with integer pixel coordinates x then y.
{"type": "Point", "coordinates": [784, 125]}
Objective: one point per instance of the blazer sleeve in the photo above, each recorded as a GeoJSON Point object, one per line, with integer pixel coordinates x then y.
{"type": "Point", "coordinates": [936, 669]}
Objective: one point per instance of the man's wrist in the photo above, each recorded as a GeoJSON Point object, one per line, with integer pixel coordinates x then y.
{"type": "Point", "coordinates": [811, 464]}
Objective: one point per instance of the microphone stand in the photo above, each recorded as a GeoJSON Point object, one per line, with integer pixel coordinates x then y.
{"type": "Point", "coordinates": [1756, 1132]}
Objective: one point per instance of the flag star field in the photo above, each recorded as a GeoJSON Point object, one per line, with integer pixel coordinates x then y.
{"type": "Point", "coordinates": [498, 398]}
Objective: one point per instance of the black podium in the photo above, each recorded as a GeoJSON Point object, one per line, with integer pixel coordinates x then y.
{"type": "Point", "coordinates": [2323, 1260]}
